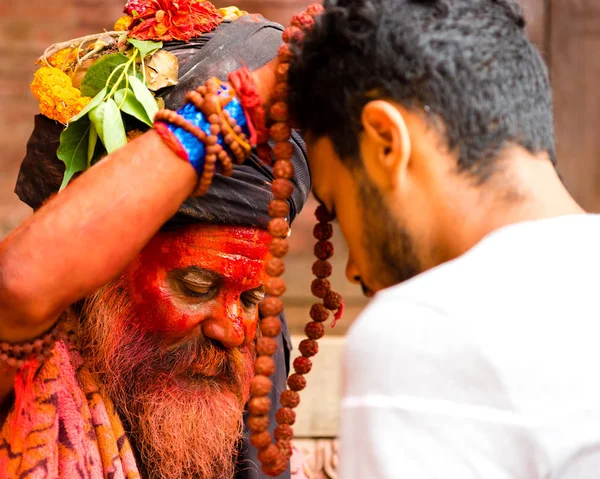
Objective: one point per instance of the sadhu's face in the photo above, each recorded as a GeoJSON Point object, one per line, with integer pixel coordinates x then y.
{"type": "Point", "coordinates": [171, 340]}
{"type": "Point", "coordinates": [201, 280]}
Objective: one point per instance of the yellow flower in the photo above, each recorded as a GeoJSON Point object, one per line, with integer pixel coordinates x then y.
{"type": "Point", "coordinates": [63, 59]}
{"type": "Point", "coordinates": [231, 13]}
{"type": "Point", "coordinates": [59, 100]}
{"type": "Point", "coordinates": [123, 23]}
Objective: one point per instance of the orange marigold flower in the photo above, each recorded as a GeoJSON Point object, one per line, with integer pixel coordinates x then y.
{"type": "Point", "coordinates": [123, 23]}
{"type": "Point", "coordinates": [59, 100]}
{"type": "Point", "coordinates": [63, 59]}
{"type": "Point", "coordinates": [166, 20]}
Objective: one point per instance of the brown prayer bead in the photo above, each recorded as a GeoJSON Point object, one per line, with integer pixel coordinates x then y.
{"type": "Point", "coordinates": [292, 33]}
{"type": "Point", "coordinates": [271, 306]}
{"type": "Point", "coordinates": [289, 398]}
{"type": "Point", "coordinates": [282, 189]}
{"type": "Point", "coordinates": [275, 267]}
{"type": "Point", "coordinates": [322, 269]}
{"type": "Point", "coordinates": [278, 227]}
{"type": "Point", "coordinates": [302, 365]}
{"type": "Point", "coordinates": [314, 330]}
{"type": "Point", "coordinates": [281, 72]}
{"type": "Point", "coordinates": [259, 406]}
{"type": "Point", "coordinates": [260, 385]}
{"type": "Point", "coordinates": [260, 439]}
{"type": "Point", "coordinates": [266, 346]}
{"type": "Point", "coordinates": [270, 326]}
{"type": "Point", "coordinates": [284, 431]}
{"type": "Point", "coordinates": [322, 214]}
{"type": "Point", "coordinates": [279, 247]}
{"type": "Point", "coordinates": [280, 131]}
{"type": "Point", "coordinates": [324, 250]}
{"type": "Point", "coordinates": [296, 382]}
{"type": "Point", "coordinates": [275, 286]}
{"type": "Point", "coordinates": [319, 313]}
{"type": "Point", "coordinates": [264, 365]}
{"type": "Point", "coordinates": [315, 9]}
{"type": "Point", "coordinates": [277, 467]}
{"type": "Point", "coordinates": [284, 53]}
{"type": "Point", "coordinates": [281, 93]}
{"type": "Point", "coordinates": [258, 423]}
{"type": "Point", "coordinates": [279, 208]}
{"type": "Point", "coordinates": [211, 104]}
{"type": "Point", "coordinates": [283, 169]}
{"type": "Point", "coordinates": [285, 415]}
{"type": "Point", "coordinates": [323, 231]}
{"type": "Point", "coordinates": [285, 447]}
{"type": "Point", "coordinates": [279, 111]}
{"type": "Point", "coordinates": [283, 150]}
{"type": "Point", "coordinates": [269, 454]}
{"type": "Point", "coordinates": [320, 287]}
{"type": "Point", "coordinates": [332, 300]}
{"type": "Point", "coordinates": [303, 20]}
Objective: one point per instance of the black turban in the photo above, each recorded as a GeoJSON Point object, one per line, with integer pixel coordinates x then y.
{"type": "Point", "coordinates": [241, 199]}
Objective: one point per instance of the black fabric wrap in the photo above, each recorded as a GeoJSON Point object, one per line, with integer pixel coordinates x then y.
{"type": "Point", "coordinates": [240, 200]}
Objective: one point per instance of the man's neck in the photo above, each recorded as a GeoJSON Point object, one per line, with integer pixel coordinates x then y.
{"type": "Point", "coordinates": [537, 194]}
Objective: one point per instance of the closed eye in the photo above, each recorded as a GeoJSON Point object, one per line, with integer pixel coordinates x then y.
{"type": "Point", "coordinates": [251, 298]}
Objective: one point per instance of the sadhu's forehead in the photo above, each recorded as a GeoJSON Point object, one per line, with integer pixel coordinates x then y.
{"type": "Point", "coordinates": [202, 244]}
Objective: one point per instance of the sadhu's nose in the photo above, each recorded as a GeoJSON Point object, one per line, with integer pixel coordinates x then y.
{"type": "Point", "coordinates": [225, 324]}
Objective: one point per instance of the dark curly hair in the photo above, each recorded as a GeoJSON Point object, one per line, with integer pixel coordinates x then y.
{"type": "Point", "coordinates": [466, 62]}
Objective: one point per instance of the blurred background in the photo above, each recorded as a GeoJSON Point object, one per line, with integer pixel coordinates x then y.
{"type": "Point", "coordinates": [566, 31]}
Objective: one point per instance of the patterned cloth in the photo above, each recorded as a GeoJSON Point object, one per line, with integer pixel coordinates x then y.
{"type": "Point", "coordinates": [63, 427]}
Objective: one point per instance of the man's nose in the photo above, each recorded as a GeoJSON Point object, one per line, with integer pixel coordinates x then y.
{"type": "Point", "coordinates": [352, 272]}
{"type": "Point", "coordinates": [225, 323]}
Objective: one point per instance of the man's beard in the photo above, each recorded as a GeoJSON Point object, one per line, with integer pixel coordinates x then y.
{"type": "Point", "coordinates": [182, 423]}
{"type": "Point", "coordinates": [390, 247]}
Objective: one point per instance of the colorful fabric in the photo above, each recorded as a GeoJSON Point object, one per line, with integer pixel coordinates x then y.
{"type": "Point", "coordinates": [63, 427]}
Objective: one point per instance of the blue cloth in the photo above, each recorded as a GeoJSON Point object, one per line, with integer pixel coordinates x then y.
{"type": "Point", "coordinates": [192, 145]}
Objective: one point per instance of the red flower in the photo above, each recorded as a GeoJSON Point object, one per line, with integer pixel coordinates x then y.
{"type": "Point", "coordinates": [166, 20]}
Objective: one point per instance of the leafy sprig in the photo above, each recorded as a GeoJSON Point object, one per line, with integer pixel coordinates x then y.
{"type": "Point", "coordinates": [119, 90]}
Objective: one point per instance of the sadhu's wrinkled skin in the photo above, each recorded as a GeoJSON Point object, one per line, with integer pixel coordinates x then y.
{"type": "Point", "coordinates": [207, 277]}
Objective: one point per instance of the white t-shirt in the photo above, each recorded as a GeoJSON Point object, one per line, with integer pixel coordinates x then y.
{"type": "Point", "coordinates": [485, 367]}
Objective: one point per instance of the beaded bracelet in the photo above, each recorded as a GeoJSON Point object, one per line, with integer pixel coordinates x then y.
{"type": "Point", "coordinates": [210, 128]}
{"type": "Point", "coordinates": [14, 355]}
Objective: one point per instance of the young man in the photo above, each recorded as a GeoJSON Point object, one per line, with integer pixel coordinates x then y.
{"type": "Point", "coordinates": [430, 136]}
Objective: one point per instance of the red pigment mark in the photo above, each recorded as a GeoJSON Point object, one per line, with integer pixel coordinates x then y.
{"type": "Point", "coordinates": [236, 254]}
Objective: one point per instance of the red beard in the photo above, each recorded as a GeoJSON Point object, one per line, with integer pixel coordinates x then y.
{"type": "Point", "coordinates": [183, 404]}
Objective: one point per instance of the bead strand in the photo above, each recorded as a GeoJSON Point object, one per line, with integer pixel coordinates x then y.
{"type": "Point", "coordinates": [275, 457]}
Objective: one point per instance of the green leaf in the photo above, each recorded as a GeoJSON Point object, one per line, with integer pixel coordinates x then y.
{"type": "Point", "coordinates": [145, 47]}
{"type": "Point", "coordinates": [98, 74]}
{"type": "Point", "coordinates": [91, 105]}
{"type": "Point", "coordinates": [92, 144]}
{"type": "Point", "coordinates": [114, 129]}
{"type": "Point", "coordinates": [73, 149]}
{"type": "Point", "coordinates": [129, 104]}
{"type": "Point", "coordinates": [97, 119]}
{"type": "Point", "coordinates": [144, 96]}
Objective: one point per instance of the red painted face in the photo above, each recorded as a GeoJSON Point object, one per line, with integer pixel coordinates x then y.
{"type": "Point", "coordinates": [207, 277]}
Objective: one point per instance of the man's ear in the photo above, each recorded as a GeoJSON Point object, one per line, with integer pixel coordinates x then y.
{"type": "Point", "coordinates": [385, 144]}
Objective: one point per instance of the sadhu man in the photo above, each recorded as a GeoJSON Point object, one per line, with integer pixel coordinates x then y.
{"type": "Point", "coordinates": [155, 376]}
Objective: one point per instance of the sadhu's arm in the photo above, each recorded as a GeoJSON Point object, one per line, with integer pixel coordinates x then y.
{"type": "Point", "coordinates": [88, 233]}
